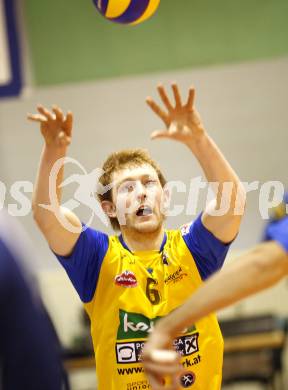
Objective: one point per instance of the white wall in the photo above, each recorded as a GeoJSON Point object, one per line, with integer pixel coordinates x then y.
{"type": "Point", "coordinates": [244, 107]}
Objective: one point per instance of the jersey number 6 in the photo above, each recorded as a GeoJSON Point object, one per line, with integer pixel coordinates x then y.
{"type": "Point", "coordinates": [152, 294]}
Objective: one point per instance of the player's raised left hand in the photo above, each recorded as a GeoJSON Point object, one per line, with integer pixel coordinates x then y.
{"type": "Point", "coordinates": [183, 123]}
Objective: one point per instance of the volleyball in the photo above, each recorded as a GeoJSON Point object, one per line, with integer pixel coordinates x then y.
{"type": "Point", "coordinates": [127, 11]}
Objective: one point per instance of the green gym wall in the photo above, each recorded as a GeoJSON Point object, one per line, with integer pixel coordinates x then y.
{"type": "Point", "coordinates": [70, 42]}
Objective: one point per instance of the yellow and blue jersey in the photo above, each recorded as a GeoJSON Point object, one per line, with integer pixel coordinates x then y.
{"type": "Point", "coordinates": [125, 293]}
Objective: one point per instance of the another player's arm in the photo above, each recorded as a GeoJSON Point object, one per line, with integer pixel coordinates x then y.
{"type": "Point", "coordinates": [56, 130]}
{"type": "Point", "coordinates": [260, 268]}
{"type": "Point", "coordinates": [184, 124]}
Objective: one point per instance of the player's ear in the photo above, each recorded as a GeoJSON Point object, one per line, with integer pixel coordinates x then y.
{"type": "Point", "coordinates": [109, 208]}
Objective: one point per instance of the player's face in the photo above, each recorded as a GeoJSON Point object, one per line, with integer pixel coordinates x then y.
{"type": "Point", "coordinates": [137, 197]}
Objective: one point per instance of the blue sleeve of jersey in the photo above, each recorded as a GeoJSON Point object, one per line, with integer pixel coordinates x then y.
{"type": "Point", "coordinates": [209, 253]}
{"type": "Point", "coordinates": [84, 264]}
{"type": "Point", "coordinates": [278, 231]}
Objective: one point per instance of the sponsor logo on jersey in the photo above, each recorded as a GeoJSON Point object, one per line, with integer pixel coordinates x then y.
{"type": "Point", "coordinates": [129, 352]}
{"type": "Point", "coordinates": [137, 326]}
{"type": "Point", "coordinates": [187, 363]}
{"type": "Point", "coordinates": [134, 328]}
{"type": "Point", "coordinates": [126, 279]}
{"type": "Point", "coordinates": [139, 385]}
{"type": "Point", "coordinates": [134, 325]}
{"type": "Point", "coordinates": [175, 277]}
{"type": "Point", "coordinates": [185, 229]}
{"type": "Point", "coordinates": [187, 379]}
{"type": "Point", "coordinates": [126, 352]}
{"type": "Point", "coordinates": [187, 345]}
{"type": "Point", "coordinates": [131, 371]}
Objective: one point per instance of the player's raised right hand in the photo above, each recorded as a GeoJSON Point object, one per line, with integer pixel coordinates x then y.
{"type": "Point", "coordinates": [56, 128]}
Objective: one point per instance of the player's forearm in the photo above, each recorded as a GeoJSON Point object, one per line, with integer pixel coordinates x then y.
{"type": "Point", "coordinates": [262, 267]}
{"type": "Point", "coordinates": [217, 170]}
{"type": "Point", "coordinates": [41, 195]}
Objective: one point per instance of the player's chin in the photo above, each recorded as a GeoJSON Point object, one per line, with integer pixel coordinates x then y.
{"type": "Point", "coordinates": [148, 226]}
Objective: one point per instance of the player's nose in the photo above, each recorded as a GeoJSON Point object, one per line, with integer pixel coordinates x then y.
{"type": "Point", "coordinates": [141, 191]}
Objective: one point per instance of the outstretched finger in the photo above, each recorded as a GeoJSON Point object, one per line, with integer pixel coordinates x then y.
{"type": "Point", "coordinates": [45, 112]}
{"type": "Point", "coordinates": [37, 118]}
{"type": "Point", "coordinates": [191, 97]}
{"type": "Point", "coordinates": [58, 112]}
{"type": "Point", "coordinates": [164, 97]}
{"type": "Point", "coordinates": [158, 111]}
{"type": "Point", "coordinates": [177, 97]}
{"type": "Point", "coordinates": [68, 123]}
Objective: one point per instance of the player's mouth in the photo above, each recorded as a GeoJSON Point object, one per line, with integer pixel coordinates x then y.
{"type": "Point", "coordinates": [144, 211]}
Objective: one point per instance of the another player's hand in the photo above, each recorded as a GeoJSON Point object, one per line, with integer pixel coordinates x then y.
{"type": "Point", "coordinates": [183, 123]}
{"type": "Point", "coordinates": [161, 363]}
{"type": "Point", "coordinates": [56, 128]}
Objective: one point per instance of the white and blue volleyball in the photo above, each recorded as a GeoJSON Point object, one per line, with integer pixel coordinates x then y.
{"type": "Point", "coordinates": [127, 11]}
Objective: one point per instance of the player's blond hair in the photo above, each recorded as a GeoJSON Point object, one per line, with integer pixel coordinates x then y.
{"type": "Point", "coordinates": [120, 160]}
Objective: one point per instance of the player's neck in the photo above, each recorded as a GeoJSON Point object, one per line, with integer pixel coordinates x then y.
{"type": "Point", "coordinates": [139, 241]}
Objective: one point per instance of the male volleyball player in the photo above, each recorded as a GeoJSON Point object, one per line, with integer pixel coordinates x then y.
{"type": "Point", "coordinates": [260, 268]}
{"type": "Point", "coordinates": [128, 281]}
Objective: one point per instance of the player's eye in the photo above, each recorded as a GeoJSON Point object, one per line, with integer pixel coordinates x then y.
{"type": "Point", "coordinates": [130, 187]}
{"type": "Point", "coordinates": [127, 187]}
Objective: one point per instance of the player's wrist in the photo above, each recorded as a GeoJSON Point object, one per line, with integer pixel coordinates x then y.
{"type": "Point", "coordinates": [198, 143]}
{"type": "Point", "coordinates": [55, 151]}
{"type": "Point", "coordinates": [165, 329]}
